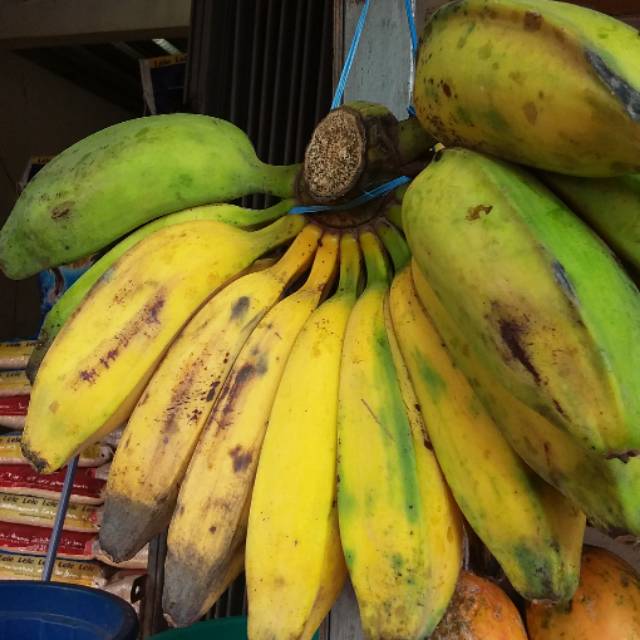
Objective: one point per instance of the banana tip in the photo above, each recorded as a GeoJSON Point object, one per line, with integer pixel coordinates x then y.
{"type": "Point", "coordinates": [37, 462]}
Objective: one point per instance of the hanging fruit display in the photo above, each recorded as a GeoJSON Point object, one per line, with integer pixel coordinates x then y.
{"type": "Point", "coordinates": [356, 392]}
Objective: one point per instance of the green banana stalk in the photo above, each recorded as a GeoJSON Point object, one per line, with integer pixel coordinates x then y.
{"type": "Point", "coordinates": [71, 299]}
{"type": "Point", "coordinates": [544, 305]}
{"type": "Point", "coordinates": [543, 83]}
{"type": "Point", "coordinates": [610, 205]}
{"type": "Point", "coordinates": [119, 178]}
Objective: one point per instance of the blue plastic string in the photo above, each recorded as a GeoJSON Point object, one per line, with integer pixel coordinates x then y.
{"type": "Point", "coordinates": [414, 44]}
{"type": "Point", "coordinates": [363, 198]}
{"type": "Point", "coordinates": [381, 189]}
{"type": "Point", "coordinates": [412, 28]}
{"type": "Point", "coordinates": [61, 513]}
{"type": "Point", "coordinates": [351, 54]}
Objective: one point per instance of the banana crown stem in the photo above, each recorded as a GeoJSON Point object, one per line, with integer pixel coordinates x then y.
{"type": "Point", "coordinates": [259, 216]}
{"type": "Point", "coordinates": [395, 244]}
{"type": "Point", "coordinates": [303, 247]}
{"type": "Point", "coordinates": [325, 264]}
{"type": "Point", "coordinates": [279, 232]}
{"type": "Point", "coordinates": [280, 180]}
{"type": "Point", "coordinates": [375, 260]}
{"type": "Point", "coordinates": [350, 269]}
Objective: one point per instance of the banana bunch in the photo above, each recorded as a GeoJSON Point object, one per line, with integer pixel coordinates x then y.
{"type": "Point", "coordinates": [357, 395]}
{"type": "Point", "coordinates": [249, 381]}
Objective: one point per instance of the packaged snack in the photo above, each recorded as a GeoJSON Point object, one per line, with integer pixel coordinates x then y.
{"type": "Point", "coordinates": [21, 479]}
{"type": "Point", "coordinates": [41, 512]}
{"type": "Point", "coordinates": [15, 354]}
{"type": "Point", "coordinates": [13, 411]}
{"type": "Point", "coordinates": [14, 383]}
{"type": "Point", "coordinates": [19, 566]}
{"type": "Point", "coordinates": [24, 538]}
{"type": "Point", "coordinates": [94, 455]}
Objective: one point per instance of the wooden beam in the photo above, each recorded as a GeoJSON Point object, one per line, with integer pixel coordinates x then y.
{"type": "Point", "coordinates": [39, 23]}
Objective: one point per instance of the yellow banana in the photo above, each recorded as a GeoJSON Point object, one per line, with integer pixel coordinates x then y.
{"type": "Point", "coordinates": [606, 490]}
{"type": "Point", "coordinates": [387, 530]}
{"type": "Point", "coordinates": [534, 533]}
{"type": "Point", "coordinates": [294, 563]}
{"type": "Point", "coordinates": [543, 83]}
{"type": "Point", "coordinates": [220, 475]}
{"type": "Point", "coordinates": [532, 288]}
{"type": "Point", "coordinates": [71, 299]}
{"type": "Point", "coordinates": [100, 362]}
{"type": "Point", "coordinates": [164, 427]}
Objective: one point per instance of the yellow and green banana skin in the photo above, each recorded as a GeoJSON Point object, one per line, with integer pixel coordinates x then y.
{"type": "Point", "coordinates": [294, 562]}
{"type": "Point", "coordinates": [542, 83]}
{"type": "Point", "coordinates": [532, 530]}
{"type": "Point", "coordinates": [611, 206]}
{"type": "Point", "coordinates": [71, 299]}
{"type": "Point", "coordinates": [606, 490]}
{"type": "Point", "coordinates": [444, 534]}
{"type": "Point", "coordinates": [119, 178]}
{"type": "Point", "coordinates": [385, 526]}
{"type": "Point", "coordinates": [99, 364]}
{"type": "Point", "coordinates": [533, 289]}
{"type": "Point", "coordinates": [220, 475]}
{"type": "Point", "coordinates": [163, 429]}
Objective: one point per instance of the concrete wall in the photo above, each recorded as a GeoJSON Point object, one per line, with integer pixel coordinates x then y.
{"type": "Point", "coordinates": [40, 114]}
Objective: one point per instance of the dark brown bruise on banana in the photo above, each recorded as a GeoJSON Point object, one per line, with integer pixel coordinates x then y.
{"type": "Point", "coordinates": [128, 525]}
{"type": "Point", "coordinates": [619, 87]}
{"type": "Point", "coordinates": [149, 316]}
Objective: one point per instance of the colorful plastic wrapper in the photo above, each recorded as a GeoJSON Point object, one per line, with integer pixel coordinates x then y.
{"type": "Point", "coordinates": [24, 538]}
{"type": "Point", "coordinates": [41, 512]}
{"type": "Point", "coordinates": [14, 383]}
{"type": "Point", "coordinates": [13, 411]}
{"type": "Point", "coordinates": [19, 566]}
{"type": "Point", "coordinates": [15, 354]}
{"type": "Point", "coordinates": [88, 485]}
{"type": "Point", "coordinates": [95, 455]}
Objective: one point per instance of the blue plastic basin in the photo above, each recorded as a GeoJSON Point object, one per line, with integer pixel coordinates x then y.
{"type": "Point", "coordinates": [54, 611]}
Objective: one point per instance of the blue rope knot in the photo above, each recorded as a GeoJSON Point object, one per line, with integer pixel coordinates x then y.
{"type": "Point", "coordinates": [363, 198]}
{"type": "Point", "coordinates": [386, 187]}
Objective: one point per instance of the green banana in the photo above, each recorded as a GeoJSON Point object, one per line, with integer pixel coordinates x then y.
{"type": "Point", "coordinates": [117, 179]}
{"type": "Point", "coordinates": [543, 83]}
{"type": "Point", "coordinates": [606, 490]}
{"type": "Point", "coordinates": [71, 299]}
{"type": "Point", "coordinates": [533, 289]}
{"type": "Point", "coordinates": [611, 206]}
